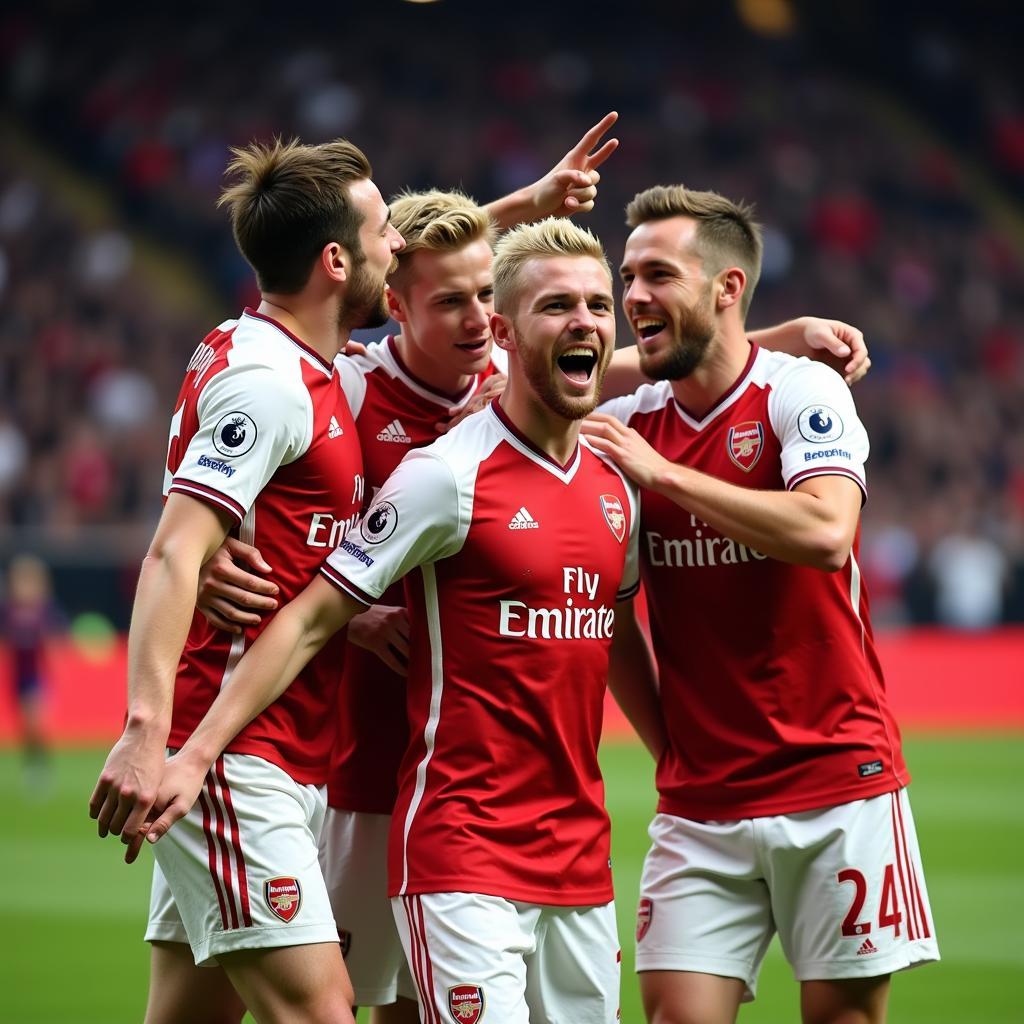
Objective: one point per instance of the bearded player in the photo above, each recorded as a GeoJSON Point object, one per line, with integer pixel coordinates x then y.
{"type": "Point", "coordinates": [262, 444]}
{"type": "Point", "coordinates": [782, 799]}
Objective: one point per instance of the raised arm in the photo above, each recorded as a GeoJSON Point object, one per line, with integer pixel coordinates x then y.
{"type": "Point", "coordinates": [189, 531]}
{"type": "Point", "coordinates": [569, 187]}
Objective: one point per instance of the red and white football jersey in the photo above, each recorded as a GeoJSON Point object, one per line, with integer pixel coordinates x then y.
{"type": "Point", "coordinates": [771, 688]}
{"type": "Point", "coordinates": [262, 430]}
{"type": "Point", "coordinates": [516, 564]}
{"type": "Point", "coordinates": [394, 412]}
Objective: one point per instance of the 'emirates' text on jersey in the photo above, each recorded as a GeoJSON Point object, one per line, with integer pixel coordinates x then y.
{"type": "Point", "coordinates": [262, 431]}
{"type": "Point", "coordinates": [519, 563]}
{"type": "Point", "coordinates": [394, 412]}
{"type": "Point", "coordinates": [772, 692]}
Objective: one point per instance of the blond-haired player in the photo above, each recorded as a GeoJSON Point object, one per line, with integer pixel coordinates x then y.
{"type": "Point", "coordinates": [520, 545]}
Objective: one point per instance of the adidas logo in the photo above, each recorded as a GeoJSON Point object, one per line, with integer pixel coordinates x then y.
{"type": "Point", "coordinates": [334, 429]}
{"type": "Point", "coordinates": [394, 433]}
{"type": "Point", "coordinates": [522, 520]}
{"type": "Point", "coordinates": [867, 946]}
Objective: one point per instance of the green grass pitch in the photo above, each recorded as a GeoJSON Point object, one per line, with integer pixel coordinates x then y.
{"type": "Point", "coordinates": [72, 914]}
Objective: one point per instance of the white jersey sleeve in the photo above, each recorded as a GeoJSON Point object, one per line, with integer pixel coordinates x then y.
{"type": "Point", "coordinates": [420, 515]}
{"type": "Point", "coordinates": [251, 421]}
{"type": "Point", "coordinates": [813, 415]}
{"type": "Point", "coordinates": [646, 398]}
{"type": "Point", "coordinates": [352, 370]}
{"type": "Point", "coordinates": [631, 568]}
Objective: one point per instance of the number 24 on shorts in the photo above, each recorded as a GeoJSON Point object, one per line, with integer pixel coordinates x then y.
{"type": "Point", "coordinates": [889, 915]}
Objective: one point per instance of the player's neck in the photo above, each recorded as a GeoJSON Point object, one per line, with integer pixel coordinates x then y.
{"type": "Point", "coordinates": [438, 377]}
{"type": "Point", "coordinates": [314, 325]}
{"type": "Point", "coordinates": [548, 432]}
{"type": "Point", "coordinates": [724, 361]}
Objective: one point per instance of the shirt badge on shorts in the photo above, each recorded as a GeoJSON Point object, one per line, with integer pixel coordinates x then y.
{"type": "Point", "coordinates": [284, 896]}
{"type": "Point", "coordinates": [745, 443]}
{"type": "Point", "coordinates": [614, 516]}
{"type": "Point", "coordinates": [466, 1003]}
{"type": "Point", "coordinates": [644, 915]}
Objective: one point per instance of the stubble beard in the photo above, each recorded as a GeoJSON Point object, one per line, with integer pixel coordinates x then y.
{"type": "Point", "coordinates": [693, 337]}
{"type": "Point", "coordinates": [540, 375]}
{"type": "Point", "coordinates": [365, 304]}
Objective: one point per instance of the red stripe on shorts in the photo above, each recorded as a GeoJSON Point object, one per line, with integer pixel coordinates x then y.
{"type": "Point", "coordinates": [426, 954]}
{"type": "Point", "coordinates": [212, 855]}
{"type": "Point", "coordinates": [899, 867]}
{"type": "Point", "coordinates": [922, 919]}
{"type": "Point", "coordinates": [416, 962]}
{"type": "Point", "coordinates": [236, 843]}
{"type": "Point", "coordinates": [225, 853]}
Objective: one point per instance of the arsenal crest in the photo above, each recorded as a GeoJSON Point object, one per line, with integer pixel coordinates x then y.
{"type": "Point", "coordinates": [644, 913]}
{"type": "Point", "coordinates": [744, 444]}
{"type": "Point", "coordinates": [614, 516]}
{"type": "Point", "coordinates": [466, 1003]}
{"type": "Point", "coordinates": [283, 896]}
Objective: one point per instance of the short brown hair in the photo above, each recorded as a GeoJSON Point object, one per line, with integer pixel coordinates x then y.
{"type": "Point", "coordinates": [288, 202]}
{"type": "Point", "coordinates": [727, 234]}
{"type": "Point", "coordinates": [554, 236]}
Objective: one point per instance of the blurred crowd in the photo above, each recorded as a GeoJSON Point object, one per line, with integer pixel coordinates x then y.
{"type": "Point", "coordinates": [868, 218]}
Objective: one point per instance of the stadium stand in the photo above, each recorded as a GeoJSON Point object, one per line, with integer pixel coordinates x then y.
{"type": "Point", "coordinates": [882, 206]}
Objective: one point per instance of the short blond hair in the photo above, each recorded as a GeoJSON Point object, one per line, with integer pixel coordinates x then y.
{"type": "Point", "coordinates": [727, 234]}
{"type": "Point", "coordinates": [554, 236]}
{"type": "Point", "coordinates": [438, 221]}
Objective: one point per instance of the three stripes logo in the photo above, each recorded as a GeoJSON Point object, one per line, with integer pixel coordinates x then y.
{"type": "Point", "coordinates": [522, 520]}
{"type": "Point", "coordinates": [866, 947]}
{"type": "Point", "coordinates": [334, 429]}
{"type": "Point", "coordinates": [394, 433]}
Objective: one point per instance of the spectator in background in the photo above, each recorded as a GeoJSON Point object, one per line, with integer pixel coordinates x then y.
{"type": "Point", "coordinates": [30, 620]}
{"type": "Point", "coordinates": [971, 572]}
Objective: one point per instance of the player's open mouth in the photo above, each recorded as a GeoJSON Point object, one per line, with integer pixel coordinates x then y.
{"type": "Point", "coordinates": [648, 327]}
{"type": "Point", "coordinates": [474, 346]}
{"type": "Point", "coordinates": [577, 363]}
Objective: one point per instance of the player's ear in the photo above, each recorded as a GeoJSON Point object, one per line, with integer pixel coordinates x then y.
{"type": "Point", "coordinates": [396, 304]}
{"type": "Point", "coordinates": [503, 332]}
{"type": "Point", "coordinates": [335, 261]}
{"type": "Point", "coordinates": [729, 287]}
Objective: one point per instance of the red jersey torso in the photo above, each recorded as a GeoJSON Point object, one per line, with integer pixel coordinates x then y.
{"type": "Point", "coordinates": [772, 691]}
{"type": "Point", "coordinates": [394, 413]}
{"type": "Point", "coordinates": [516, 567]}
{"type": "Point", "coordinates": [262, 431]}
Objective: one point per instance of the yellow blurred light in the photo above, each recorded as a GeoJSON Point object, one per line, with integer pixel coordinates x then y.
{"type": "Point", "coordinates": [768, 17]}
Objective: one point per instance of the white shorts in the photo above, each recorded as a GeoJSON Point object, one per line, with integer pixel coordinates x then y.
{"type": "Point", "coordinates": [842, 885]}
{"type": "Point", "coordinates": [519, 962]}
{"type": "Point", "coordinates": [354, 860]}
{"type": "Point", "coordinates": [240, 870]}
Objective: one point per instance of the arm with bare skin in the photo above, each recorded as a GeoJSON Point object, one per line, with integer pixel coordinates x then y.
{"type": "Point", "coordinates": [570, 187]}
{"type": "Point", "coordinates": [814, 524]}
{"type": "Point", "coordinates": [188, 532]}
{"type": "Point", "coordinates": [281, 651]}
{"type": "Point", "coordinates": [633, 679]}
{"type": "Point", "coordinates": [231, 598]}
